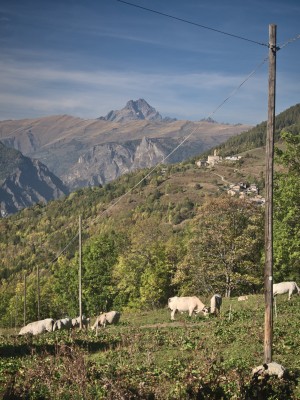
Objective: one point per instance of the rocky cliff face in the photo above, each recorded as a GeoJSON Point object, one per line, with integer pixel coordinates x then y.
{"type": "Point", "coordinates": [28, 183]}
{"type": "Point", "coordinates": [104, 163]}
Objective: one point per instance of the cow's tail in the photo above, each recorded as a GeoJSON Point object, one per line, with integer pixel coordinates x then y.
{"type": "Point", "coordinates": [297, 287]}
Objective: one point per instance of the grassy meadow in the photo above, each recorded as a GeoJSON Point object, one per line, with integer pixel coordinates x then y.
{"type": "Point", "coordinates": [148, 356]}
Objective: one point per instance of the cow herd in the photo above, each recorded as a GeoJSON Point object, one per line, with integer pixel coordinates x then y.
{"type": "Point", "coordinates": [190, 304]}
{"type": "Point", "coordinates": [194, 305]}
{"type": "Point", "coordinates": [51, 325]}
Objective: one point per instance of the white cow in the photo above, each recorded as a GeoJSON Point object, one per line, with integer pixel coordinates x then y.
{"type": "Point", "coordinates": [215, 304]}
{"type": "Point", "coordinates": [38, 327]}
{"type": "Point", "coordinates": [62, 324]}
{"type": "Point", "coordinates": [111, 317]}
{"type": "Point", "coordinates": [271, 368]}
{"type": "Point", "coordinates": [76, 322]}
{"type": "Point", "coordinates": [242, 298]}
{"type": "Point", "coordinates": [190, 304]}
{"type": "Point", "coordinates": [285, 287]}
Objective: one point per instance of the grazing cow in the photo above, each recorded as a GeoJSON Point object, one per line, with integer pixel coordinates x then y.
{"type": "Point", "coordinates": [271, 368]}
{"type": "Point", "coordinates": [62, 324]}
{"type": "Point", "coordinates": [111, 317]}
{"type": "Point", "coordinates": [242, 298]}
{"type": "Point", "coordinates": [76, 322]}
{"type": "Point", "coordinates": [215, 304]}
{"type": "Point", "coordinates": [190, 304]}
{"type": "Point", "coordinates": [285, 287]}
{"type": "Point", "coordinates": [38, 327]}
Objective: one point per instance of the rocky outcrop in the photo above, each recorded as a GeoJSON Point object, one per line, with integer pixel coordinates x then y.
{"type": "Point", "coordinates": [28, 183]}
{"type": "Point", "coordinates": [104, 163]}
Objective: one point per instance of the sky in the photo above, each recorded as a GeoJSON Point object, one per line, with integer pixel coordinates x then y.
{"type": "Point", "coordinates": [86, 58]}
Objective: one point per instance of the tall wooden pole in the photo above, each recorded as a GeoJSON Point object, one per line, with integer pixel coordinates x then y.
{"type": "Point", "coordinates": [16, 311]}
{"type": "Point", "coordinates": [38, 291]}
{"type": "Point", "coordinates": [79, 276]}
{"type": "Point", "coordinates": [268, 279]}
{"type": "Point", "coordinates": [24, 322]}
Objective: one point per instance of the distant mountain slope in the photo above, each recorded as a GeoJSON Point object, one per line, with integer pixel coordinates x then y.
{"type": "Point", "coordinates": [86, 152]}
{"type": "Point", "coordinates": [256, 137]}
{"type": "Point", "coordinates": [25, 182]}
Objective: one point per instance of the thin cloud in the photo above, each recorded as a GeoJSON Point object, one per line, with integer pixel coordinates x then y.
{"type": "Point", "coordinates": [34, 89]}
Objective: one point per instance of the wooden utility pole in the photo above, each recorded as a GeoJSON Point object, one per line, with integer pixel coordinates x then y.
{"type": "Point", "coordinates": [24, 322]}
{"type": "Point", "coordinates": [268, 279]}
{"type": "Point", "coordinates": [79, 276]}
{"type": "Point", "coordinates": [16, 311]}
{"type": "Point", "coordinates": [38, 291]}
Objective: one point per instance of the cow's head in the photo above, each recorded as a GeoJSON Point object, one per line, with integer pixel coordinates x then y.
{"type": "Point", "coordinates": [206, 311]}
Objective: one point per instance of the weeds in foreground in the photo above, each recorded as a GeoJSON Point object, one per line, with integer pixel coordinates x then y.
{"type": "Point", "coordinates": [67, 374]}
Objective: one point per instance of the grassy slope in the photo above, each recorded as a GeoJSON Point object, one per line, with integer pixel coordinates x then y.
{"type": "Point", "coordinates": [149, 355]}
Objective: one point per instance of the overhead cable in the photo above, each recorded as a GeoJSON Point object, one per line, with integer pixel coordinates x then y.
{"type": "Point", "coordinates": [289, 41]}
{"type": "Point", "coordinates": [193, 23]}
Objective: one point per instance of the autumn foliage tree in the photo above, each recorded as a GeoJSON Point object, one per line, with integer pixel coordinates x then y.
{"type": "Point", "coordinates": [224, 250]}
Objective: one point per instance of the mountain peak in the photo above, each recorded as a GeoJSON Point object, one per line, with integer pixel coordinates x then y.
{"type": "Point", "coordinates": [134, 110]}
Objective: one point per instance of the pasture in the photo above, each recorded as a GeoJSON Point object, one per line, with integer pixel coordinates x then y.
{"type": "Point", "coordinates": [148, 356]}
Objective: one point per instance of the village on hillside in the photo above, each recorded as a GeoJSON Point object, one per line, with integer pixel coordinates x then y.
{"type": "Point", "coordinates": [241, 189]}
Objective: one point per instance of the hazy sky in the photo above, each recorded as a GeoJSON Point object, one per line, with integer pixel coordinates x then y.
{"type": "Point", "coordinates": [85, 58]}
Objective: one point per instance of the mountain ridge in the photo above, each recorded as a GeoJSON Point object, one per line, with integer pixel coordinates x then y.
{"type": "Point", "coordinates": [66, 144]}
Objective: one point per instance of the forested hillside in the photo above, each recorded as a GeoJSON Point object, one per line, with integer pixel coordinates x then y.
{"type": "Point", "coordinates": [289, 120]}
{"type": "Point", "coordinates": [145, 237]}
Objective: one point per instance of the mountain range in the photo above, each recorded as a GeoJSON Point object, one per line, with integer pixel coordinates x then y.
{"type": "Point", "coordinates": [91, 152]}
{"type": "Point", "coordinates": [43, 159]}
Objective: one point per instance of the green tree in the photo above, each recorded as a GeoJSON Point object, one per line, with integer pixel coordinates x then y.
{"type": "Point", "coordinates": [143, 273]}
{"type": "Point", "coordinates": [99, 257]}
{"type": "Point", "coordinates": [224, 249]}
{"type": "Point", "coordinates": [64, 287]}
{"type": "Point", "coordinates": [287, 210]}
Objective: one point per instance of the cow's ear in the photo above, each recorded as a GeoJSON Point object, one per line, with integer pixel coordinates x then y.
{"type": "Point", "coordinates": [265, 366]}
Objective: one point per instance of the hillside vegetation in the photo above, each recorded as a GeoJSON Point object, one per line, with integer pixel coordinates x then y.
{"type": "Point", "coordinates": [174, 232]}
{"type": "Point", "coordinates": [146, 237]}
{"type": "Point", "coordinates": [146, 356]}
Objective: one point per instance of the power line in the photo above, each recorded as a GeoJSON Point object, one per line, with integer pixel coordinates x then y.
{"type": "Point", "coordinates": [193, 23]}
{"type": "Point", "coordinates": [289, 42]}
{"type": "Point", "coordinates": [63, 250]}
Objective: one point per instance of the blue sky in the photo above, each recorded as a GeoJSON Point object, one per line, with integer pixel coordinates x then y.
{"type": "Point", "coordinates": [85, 58]}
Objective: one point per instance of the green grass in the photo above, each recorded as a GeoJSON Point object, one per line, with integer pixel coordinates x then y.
{"type": "Point", "coordinates": [151, 357]}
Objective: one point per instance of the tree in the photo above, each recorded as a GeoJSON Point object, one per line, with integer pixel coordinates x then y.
{"type": "Point", "coordinates": [224, 249]}
{"type": "Point", "coordinates": [287, 210]}
{"type": "Point", "coordinates": [64, 287]}
{"type": "Point", "coordinates": [143, 273]}
{"type": "Point", "coordinates": [99, 258]}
